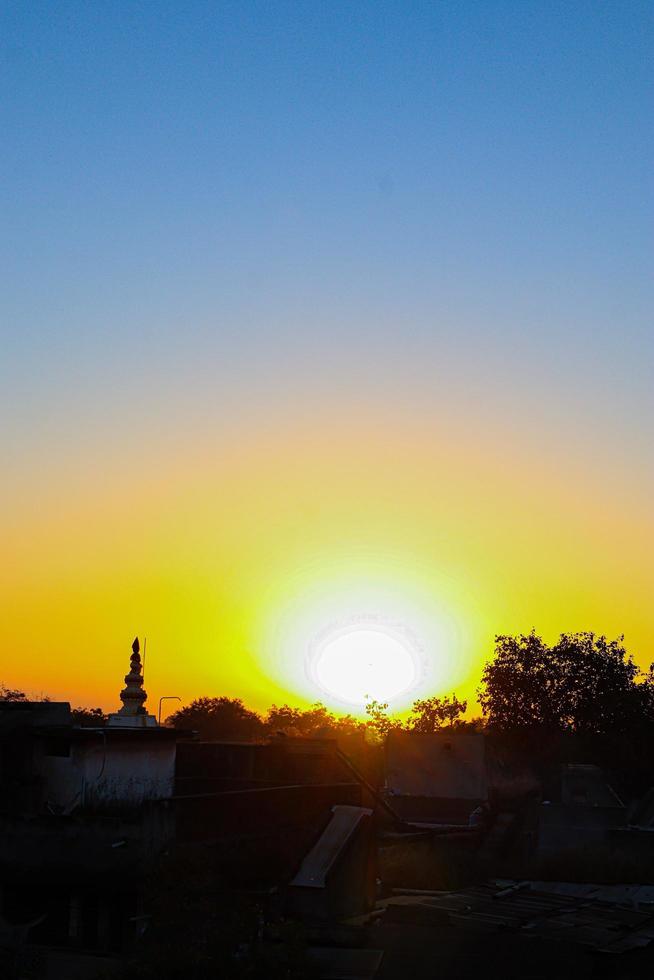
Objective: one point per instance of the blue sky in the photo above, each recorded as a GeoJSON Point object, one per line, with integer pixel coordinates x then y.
{"type": "Point", "coordinates": [165, 157]}
{"type": "Point", "coordinates": [328, 197]}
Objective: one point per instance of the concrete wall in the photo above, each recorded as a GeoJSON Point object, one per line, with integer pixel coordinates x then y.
{"type": "Point", "coordinates": [253, 812]}
{"type": "Point", "coordinates": [214, 766]}
{"type": "Point", "coordinates": [445, 765]}
{"type": "Point", "coordinates": [103, 772]}
{"type": "Point", "coordinates": [260, 836]}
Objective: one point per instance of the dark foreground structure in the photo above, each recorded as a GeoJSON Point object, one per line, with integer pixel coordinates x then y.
{"type": "Point", "coordinates": [136, 851]}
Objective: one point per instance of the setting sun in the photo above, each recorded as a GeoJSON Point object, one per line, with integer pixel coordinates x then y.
{"type": "Point", "coordinates": [356, 665]}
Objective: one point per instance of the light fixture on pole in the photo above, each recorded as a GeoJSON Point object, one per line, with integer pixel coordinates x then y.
{"type": "Point", "coordinates": [166, 697]}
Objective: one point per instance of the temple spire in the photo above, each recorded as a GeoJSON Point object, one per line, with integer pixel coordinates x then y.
{"type": "Point", "coordinates": [133, 695]}
{"type": "Point", "coordinates": [133, 713]}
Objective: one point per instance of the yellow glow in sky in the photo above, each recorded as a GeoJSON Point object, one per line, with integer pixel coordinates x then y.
{"type": "Point", "coordinates": [234, 555]}
{"type": "Point", "coordinates": [316, 314]}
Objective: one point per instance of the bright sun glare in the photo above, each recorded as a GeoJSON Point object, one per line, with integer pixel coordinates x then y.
{"type": "Point", "coordinates": [359, 664]}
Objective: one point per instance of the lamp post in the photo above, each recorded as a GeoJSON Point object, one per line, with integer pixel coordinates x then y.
{"type": "Point", "coordinates": [166, 697]}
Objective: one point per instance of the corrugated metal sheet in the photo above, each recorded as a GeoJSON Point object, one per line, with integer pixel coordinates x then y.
{"type": "Point", "coordinates": [628, 895]}
{"type": "Point", "coordinates": [590, 917]}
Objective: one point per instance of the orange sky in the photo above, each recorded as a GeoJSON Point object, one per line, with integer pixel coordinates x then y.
{"type": "Point", "coordinates": [231, 552]}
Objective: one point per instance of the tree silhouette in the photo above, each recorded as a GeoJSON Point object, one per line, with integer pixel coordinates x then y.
{"type": "Point", "coordinates": [432, 714]}
{"type": "Point", "coordinates": [316, 721]}
{"type": "Point", "coordinates": [223, 717]}
{"type": "Point", "coordinates": [583, 684]}
{"type": "Point", "coordinates": [380, 724]}
{"type": "Point", "coordinates": [88, 717]}
{"type": "Point", "coordinates": [10, 694]}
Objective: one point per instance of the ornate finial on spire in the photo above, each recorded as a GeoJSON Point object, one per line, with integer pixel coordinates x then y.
{"type": "Point", "coordinates": [133, 696]}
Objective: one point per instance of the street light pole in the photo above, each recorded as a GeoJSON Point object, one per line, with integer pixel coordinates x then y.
{"type": "Point", "coordinates": [166, 697]}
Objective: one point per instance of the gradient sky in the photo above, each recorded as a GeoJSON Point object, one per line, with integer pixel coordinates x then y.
{"type": "Point", "coordinates": [319, 310]}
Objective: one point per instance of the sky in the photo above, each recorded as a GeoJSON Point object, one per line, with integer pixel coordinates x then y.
{"type": "Point", "coordinates": [317, 315]}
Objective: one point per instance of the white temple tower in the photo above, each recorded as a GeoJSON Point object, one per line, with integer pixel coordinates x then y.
{"type": "Point", "coordinates": [133, 713]}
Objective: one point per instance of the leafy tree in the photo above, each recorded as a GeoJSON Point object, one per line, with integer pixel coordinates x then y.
{"type": "Point", "coordinates": [294, 721]}
{"type": "Point", "coordinates": [349, 725]}
{"type": "Point", "coordinates": [432, 714]}
{"type": "Point", "coordinates": [218, 718]}
{"type": "Point", "coordinates": [229, 718]}
{"type": "Point", "coordinates": [646, 695]}
{"type": "Point", "coordinates": [314, 722]}
{"type": "Point", "coordinates": [381, 724]}
{"type": "Point", "coordinates": [10, 694]}
{"type": "Point", "coordinates": [583, 684]}
{"type": "Point", "coordinates": [88, 717]}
